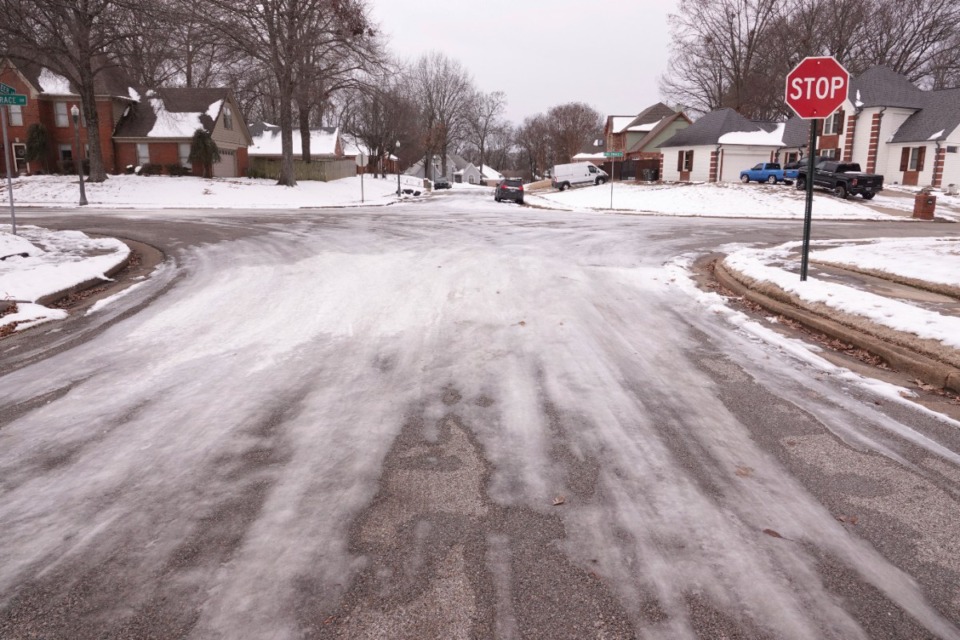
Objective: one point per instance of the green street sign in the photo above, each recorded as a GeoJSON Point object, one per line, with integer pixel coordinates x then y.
{"type": "Point", "coordinates": [5, 88]}
{"type": "Point", "coordinates": [16, 99]}
{"type": "Point", "coordinates": [613, 154]}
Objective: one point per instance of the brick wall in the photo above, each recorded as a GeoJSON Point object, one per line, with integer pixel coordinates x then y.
{"type": "Point", "coordinates": [242, 161]}
{"type": "Point", "coordinates": [848, 143]}
{"type": "Point", "coordinates": [938, 162]}
{"type": "Point", "coordinates": [874, 143]}
{"type": "Point", "coordinates": [714, 166]}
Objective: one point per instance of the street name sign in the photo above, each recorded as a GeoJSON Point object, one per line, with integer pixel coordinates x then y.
{"type": "Point", "coordinates": [613, 154]}
{"type": "Point", "coordinates": [5, 88]}
{"type": "Point", "coordinates": [15, 99]}
{"type": "Point", "coordinates": [817, 87]}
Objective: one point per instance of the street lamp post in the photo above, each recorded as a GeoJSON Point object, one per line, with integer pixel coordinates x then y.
{"type": "Point", "coordinates": [75, 113]}
{"type": "Point", "coordinates": [397, 146]}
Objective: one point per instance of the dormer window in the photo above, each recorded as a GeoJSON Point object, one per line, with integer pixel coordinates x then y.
{"type": "Point", "coordinates": [227, 117]}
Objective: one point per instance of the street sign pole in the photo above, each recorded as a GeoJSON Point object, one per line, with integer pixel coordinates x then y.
{"type": "Point", "coordinates": [6, 160]}
{"type": "Point", "coordinates": [613, 155]}
{"type": "Point", "coordinates": [808, 210]}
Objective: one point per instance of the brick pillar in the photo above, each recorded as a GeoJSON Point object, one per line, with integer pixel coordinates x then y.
{"type": "Point", "coordinates": [938, 162]}
{"type": "Point", "coordinates": [874, 143]}
{"type": "Point", "coordinates": [714, 162]}
{"type": "Point", "coordinates": [848, 143]}
{"type": "Point", "coordinates": [661, 167]}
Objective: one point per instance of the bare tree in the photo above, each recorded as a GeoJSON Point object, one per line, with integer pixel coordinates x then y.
{"type": "Point", "coordinates": [443, 89]}
{"type": "Point", "coordinates": [74, 38]}
{"type": "Point", "coordinates": [279, 34]}
{"type": "Point", "coordinates": [533, 138]}
{"type": "Point", "coordinates": [382, 115]}
{"type": "Point", "coordinates": [484, 116]}
{"type": "Point", "coordinates": [571, 126]}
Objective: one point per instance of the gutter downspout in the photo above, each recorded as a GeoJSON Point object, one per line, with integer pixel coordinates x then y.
{"type": "Point", "coordinates": [719, 152]}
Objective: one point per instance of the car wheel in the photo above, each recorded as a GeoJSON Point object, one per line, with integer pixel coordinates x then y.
{"type": "Point", "coordinates": [497, 198]}
{"type": "Point", "coordinates": [840, 191]}
{"type": "Point", "coordinates": [801, 184]}
{"type": "Point", "coordinates": [520, 201]}
{"type": "Point", "coordinates": [868, 196]}
{"type": "Point", "coordinates": [744, 179]}
{"type": "Point", "coordinates": [772, 180]}
{"type": "Point", "coordinates": [564, 186]}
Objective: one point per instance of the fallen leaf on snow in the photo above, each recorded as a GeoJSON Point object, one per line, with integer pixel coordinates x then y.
{"type": "Point", "coordinates": [558, 501]}
{"type": "Point", "coordinates": [744, 472]}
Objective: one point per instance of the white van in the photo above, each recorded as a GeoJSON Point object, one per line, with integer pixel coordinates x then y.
{"type": "Point", "coordinates": [569, 175]}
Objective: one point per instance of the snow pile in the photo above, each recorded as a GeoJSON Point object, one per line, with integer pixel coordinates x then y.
{"type": "Point", "coordinates": [164, 192]}
{"type": "Point", "coordinates": [780, 265]}
{"type": "Point", "coordinates": [716, 200]}
{"type": "Point", "coordinates": [55, 261]}
{"type": "Point", "coordinates": [759, 138]}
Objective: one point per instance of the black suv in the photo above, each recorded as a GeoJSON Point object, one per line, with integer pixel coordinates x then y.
{"type": "Point", "coordinates": [509, 189]}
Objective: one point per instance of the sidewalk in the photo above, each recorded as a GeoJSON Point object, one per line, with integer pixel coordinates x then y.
{"type": "Point", "coordinates": [898, 299]}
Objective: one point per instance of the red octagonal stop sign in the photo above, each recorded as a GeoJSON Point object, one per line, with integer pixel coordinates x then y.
{"type": "Point", "coordinates": [817, 87]}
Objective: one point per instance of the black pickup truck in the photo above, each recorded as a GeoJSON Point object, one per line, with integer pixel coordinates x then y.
{"type": "Point", "coordinates": [845, 179]}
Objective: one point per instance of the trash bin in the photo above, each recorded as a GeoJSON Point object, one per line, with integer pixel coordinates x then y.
{"type": "Point", "coordinates": [924, 204]}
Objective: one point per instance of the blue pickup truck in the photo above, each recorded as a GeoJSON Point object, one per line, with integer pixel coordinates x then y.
{"type": "Point", "coordinates": [769, 172]}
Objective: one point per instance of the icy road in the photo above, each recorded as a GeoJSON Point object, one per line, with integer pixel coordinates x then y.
{"type": "Point", "coordinates": [457, 419]}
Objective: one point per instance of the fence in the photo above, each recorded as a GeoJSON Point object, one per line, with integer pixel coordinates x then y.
{"type": "Point", "coordinates": [323, 170]}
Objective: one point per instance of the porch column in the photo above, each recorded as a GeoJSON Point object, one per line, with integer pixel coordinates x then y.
{"type": "Point", "coordinates": [848, 143]}
{"type": "Point", "coordinates": [938, 162]}
{"type": "Point", "coordinates": [874, 143]}
{"type": "Point", "coordinates": [714, 165]}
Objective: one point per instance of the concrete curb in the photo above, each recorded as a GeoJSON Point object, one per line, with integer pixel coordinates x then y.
{"type": "Point", "coordinates": [86, 284]}
{"type": "Point", "coordinates": [928, 370]}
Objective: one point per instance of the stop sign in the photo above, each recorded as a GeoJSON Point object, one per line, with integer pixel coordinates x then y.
{"type": "Point", "coordinates": [817, 87]}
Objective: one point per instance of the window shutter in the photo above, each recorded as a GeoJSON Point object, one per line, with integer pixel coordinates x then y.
{"type": "Point", "coordinates": [841, 117]}
{"type": "Point", "coordinates": [905, 159]}
{"type": "Point", "coordinates": [679, 160]}
{"type": "Point", "coordinates": [691, 161]}
{"type": "Point", "coordinates": [921, 155]}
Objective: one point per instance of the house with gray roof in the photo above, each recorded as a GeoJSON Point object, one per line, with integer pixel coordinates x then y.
{"type": "Point", "coordinates": [891, 127]}
{"type": "Point", "coordinates": [639, 138]}
{"type": "Point", "coordinates": [718, 146]}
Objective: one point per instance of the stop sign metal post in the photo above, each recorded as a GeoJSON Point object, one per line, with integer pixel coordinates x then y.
{"type": "Point", "coordinates": [815, 89]}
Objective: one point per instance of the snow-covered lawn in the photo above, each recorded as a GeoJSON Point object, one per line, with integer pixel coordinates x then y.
{"type": "Point", "coordinates": [55, 261]}
{"type": "Point", "coordinates": [780, 266]}
{"type": "Point", "coordinates": [716, 200]}
{"type": "Point", "coordinates": [164, 192]}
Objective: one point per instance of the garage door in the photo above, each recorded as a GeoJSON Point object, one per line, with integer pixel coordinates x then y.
{"type": "Point", "coordinates": [736, 160]}
{"type": "Point", "coordinates": [227, 167]}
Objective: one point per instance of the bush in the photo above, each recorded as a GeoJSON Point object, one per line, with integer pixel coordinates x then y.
{"type": "Point", "coordinates": [253, 172]}
{"type": "Point", "coordinates": [151, 169]}
{"type": "Point", "coordinates": [68, 168]}
{"type": "Point", "coordinates": [177, 170]}
{"type": "Point", "coordinates": [129, 170]}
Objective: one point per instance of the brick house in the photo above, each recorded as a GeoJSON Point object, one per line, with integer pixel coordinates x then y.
{"type": "Point", "coordinates": [50, 98]}
{"type": "Point", "coordinates": [639, 138]}
{"type": "Point", "coordinates": [159, 127]}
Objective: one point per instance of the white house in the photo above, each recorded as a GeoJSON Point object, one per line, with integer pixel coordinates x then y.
{"type": "Point", "coordinates": [718, 146]}
{"type": "Point", "coordinates": [324, 142]}
{"type": "Point", "coordinates": [471, 174]}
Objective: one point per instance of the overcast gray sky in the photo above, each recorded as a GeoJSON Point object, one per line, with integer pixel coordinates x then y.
{"type": "Point", "coordinates": [607, 53]}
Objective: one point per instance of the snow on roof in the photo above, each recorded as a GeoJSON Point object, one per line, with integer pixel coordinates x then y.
{"type": "Point", "coordinates": [214, 109]}
{"type": "Point", "coordinates": [352, 146]}
{"type": "Point", "coordinates": [323, 141]}
{"type": "Point", "coordinates": [490, 174]}
{"type": "Point", "coordinates": [617, 123]}
{"type": "Point", "coordinates": [757, 138]}
{"type": "Point", "coordinates": [173, 124]}
{"type": "Point", "coordinates": [51, 82]}
{"type": "Point", "coordinates": [937, 135]}
{"type": "Point", "coordinates": [580, 157]}
{"type": "Point", "coordinates": [134, 94]}
{"type": "Point", "coordinates": [650, 126]}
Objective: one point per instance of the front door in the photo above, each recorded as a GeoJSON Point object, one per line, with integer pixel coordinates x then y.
{"type": "Point", "coordinates": [20, 157]}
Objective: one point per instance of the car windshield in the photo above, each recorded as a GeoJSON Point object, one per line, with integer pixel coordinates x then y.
{"type": "Point", "coordinates": [513, 182]}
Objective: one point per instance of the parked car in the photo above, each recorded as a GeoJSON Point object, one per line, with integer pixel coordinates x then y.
{"type": "Point", "coordinates": [769, 172]}
{"type": "Point", "coordinates": [509, 189]}
{"type": "Point", "coordinates": [574, 173]}
{"type": "Point", "coordinates": [845, 179]}
{"type": "Point", "coordinates": [441, 183]}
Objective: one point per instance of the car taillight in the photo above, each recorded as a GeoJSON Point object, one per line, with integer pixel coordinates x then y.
{"type": "Point", "coordinates": [520, 187]}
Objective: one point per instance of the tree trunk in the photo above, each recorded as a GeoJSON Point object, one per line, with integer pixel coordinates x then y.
{"type": "Point", "coordinates": [97, 171]}
{"type": "Point", "coordinates": [304, 114]}
{"type": "Point", "coordinates": [288, 177]}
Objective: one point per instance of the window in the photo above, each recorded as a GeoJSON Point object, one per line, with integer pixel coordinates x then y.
{"type": "Point", "coordinates": [185, 154]}
{"type": "Point", "coordinates": [951, 149]}
{"type": "Point", "coordinates": [828, 153]}
{"type": "Point", "coordinates": [912, 158]}
{"type": "Point", "coordinates": [834, 124]}
{"type": "Point", "coordinates": [66, 152]}
{"type": "Point", "coordinates": [685, 160]}
{"type": "Point", "coordinates": [792, 157]}
{"type": "Point", "coordinates": [143, 154]}
{"type": "Point", "coordinates": [60, 113]}
{"type": "Point", "coordinates": [16, 115]}
{"type": "Point", "coordinates": [227, 117]}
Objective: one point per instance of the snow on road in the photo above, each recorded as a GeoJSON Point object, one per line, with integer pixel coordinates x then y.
{"type": "Point", "coordinates": [259, 397]}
